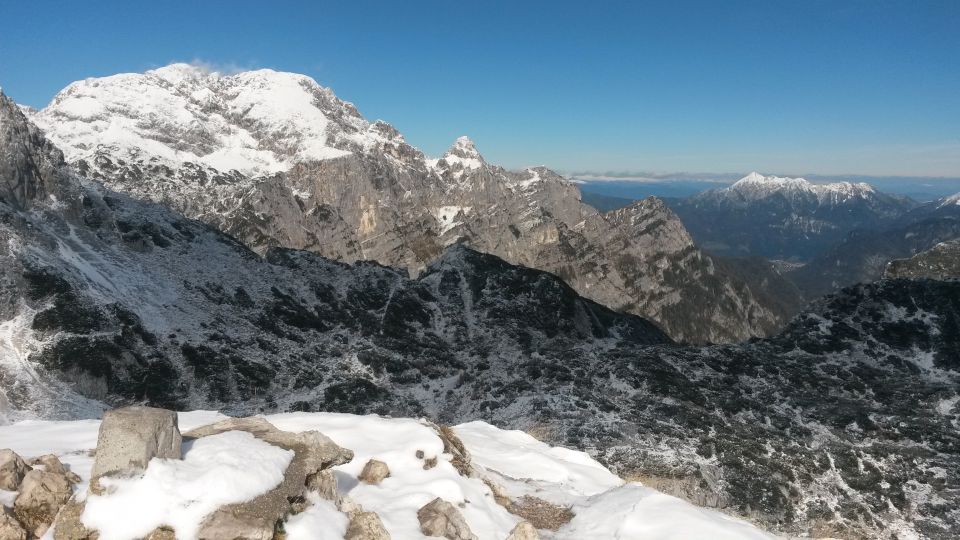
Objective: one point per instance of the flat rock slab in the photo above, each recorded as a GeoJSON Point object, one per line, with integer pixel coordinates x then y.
{"type": "Point", "coordinates": [257, 519]}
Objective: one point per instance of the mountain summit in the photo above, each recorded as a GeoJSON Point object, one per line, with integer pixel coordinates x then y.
{"type": "Point", "coordinates": [276, 160]}
{"type": "Point", "coordinates": [784, 218]}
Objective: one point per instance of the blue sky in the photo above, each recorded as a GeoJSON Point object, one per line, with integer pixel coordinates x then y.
{"type": "Point", "coordinates": [807, 86]}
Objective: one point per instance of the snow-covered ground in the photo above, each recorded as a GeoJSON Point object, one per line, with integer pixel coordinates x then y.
{"type": "Point", "coordinates": [233, 466]}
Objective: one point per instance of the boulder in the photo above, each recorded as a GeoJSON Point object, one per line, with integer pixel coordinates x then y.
{"type": "Point", "coordinates": [52, 464]}
{"type": "Point", "coordinates": [10, 529]}
{"type": "Point", "coordinates": [12, 470]}
{"type": "Point", "coordinates": [257, 519]}
{"type": "Point", "coordinates": [374, 472]}
{"type": "Point", "coordinates": [365, 526]}
{"type": "Point", "coordinates": [130, 437]}
{"type": "Point", "coordinates": [42, 494]}
{"type": "Point", "coordinates": [524, 531]}
{"type": "Point", "coordinates": [440, 518]}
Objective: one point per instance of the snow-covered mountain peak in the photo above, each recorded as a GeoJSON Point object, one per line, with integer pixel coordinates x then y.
{"type": "Point", "coordinates": [757, 185]}
{"type": "Point", "coordinates": [461, 157]}
{"type": "Point", "coordinates": [464, 153]}
{"type": "Point", "coordinates": [256, 122]}
{"type": "Point", "coordinates": [951, 200]}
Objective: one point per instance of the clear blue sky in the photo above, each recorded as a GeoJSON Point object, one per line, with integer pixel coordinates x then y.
{"type": "Point", "coordinates": [805, 86]}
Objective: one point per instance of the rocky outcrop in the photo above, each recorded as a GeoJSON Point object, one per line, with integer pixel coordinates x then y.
{"type": "Point", "coordinates": [942, 261]}
{"type": "Point", "coordinates": [12, 470]}
{"type": "Point", "coordinates": [257, 519]}
{"type": "Point", "coordinates": [10, 528]}
{"type": "Point", "coordinates": [42, 494]}
{"type": "Point", "coordinates": [43, 485]}
{"type": "Point", "coordinates": [365, 526]}
{"type": "Point", "coordinates": [130, 437]}
{"type": "Point", "coordinates": [440, 518]}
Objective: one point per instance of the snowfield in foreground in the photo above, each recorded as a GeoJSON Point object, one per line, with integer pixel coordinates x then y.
{"type": "Point", "coordinates": [233, 467]}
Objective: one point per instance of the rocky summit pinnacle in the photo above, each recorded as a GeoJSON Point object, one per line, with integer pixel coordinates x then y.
{"type": "Point", "coordinates": [276, 160]}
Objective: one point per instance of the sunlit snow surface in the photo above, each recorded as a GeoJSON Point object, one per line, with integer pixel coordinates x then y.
{"type": "Point", "coordinates": [212, 473]}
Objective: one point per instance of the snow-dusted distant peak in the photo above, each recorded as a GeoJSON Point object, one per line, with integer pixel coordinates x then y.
{"type": "Point", "coordinates": [757, 185]}
{"type": "Point", "coordinates": [951, 200]}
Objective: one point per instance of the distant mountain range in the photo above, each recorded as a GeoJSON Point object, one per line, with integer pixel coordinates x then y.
{"type": "Point", "coordinates": [276, 160]}
{"type": "Point", "coordinates": [784, 218]}
{"type": "Point", "coordinates": [844, 424]}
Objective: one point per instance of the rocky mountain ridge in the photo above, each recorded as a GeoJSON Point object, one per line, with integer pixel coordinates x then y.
{"type": "Point", "coordinates": [276, 160]}
{"type": "Point", "coordinates": [109, 300]}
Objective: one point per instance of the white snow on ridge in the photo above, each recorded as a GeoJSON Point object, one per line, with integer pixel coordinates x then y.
{"type": "Point", "coordinates": [953, 199]}
{"type": "Point", "coordinates": [215, 471]}
{"type": "Point", "coordinates": [256, 122]}
{"type": "Point", "coordinates": [234, 466]}
{"type": "Point", "coordinates": [756, 185]}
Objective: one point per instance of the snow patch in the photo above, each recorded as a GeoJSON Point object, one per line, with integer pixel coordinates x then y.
{"type": "Point", "coordinates": [222, 469]}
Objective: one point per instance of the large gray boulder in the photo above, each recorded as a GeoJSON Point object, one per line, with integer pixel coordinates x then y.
{"type": "Point", "coordinates": [42, 494]}
{"type": "Point", "coordinates": [257, 519]}
{"type": "Point", "coordinates": [440, 518]}
{"type": "Point", "coordinates": [130, 437]}
{"type": "Point", "coordinates": [12, 470]}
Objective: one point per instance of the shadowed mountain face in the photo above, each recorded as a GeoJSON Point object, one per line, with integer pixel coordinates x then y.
{"type": "Point", "coordinates": [942, 261]}
{"type": "Point", "coordinates": [784, 218]}
{"type": "Point", "coordinates": [275, 160]}
{"type": "Point", "coordinates": [865, 254]}
{"type": "Point", "coordinates": [844, 424]}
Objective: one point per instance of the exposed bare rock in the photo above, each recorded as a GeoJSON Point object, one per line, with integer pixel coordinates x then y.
{"type": "Point", "coordinates": [42, 494]}
{"type": "Point", "coordinates": [12, 470]}
{"type": "Point", "coordinates": [10, 528]}
{"type": "Point", "coordinates": [68, 525]}
{"type": "Point", "coordinates": [440, 518]}
{"type": "Point", "coordinates": [326, 180]}
{"type": "Point", "coordinates": [540, 513]}
{"type": "Point", "coordinates": [52, 463]}
{"type": "Point", "coordinates": [324, 483]}
{"type": "Point", "coordinates": [365, 526]}
{"type": "Point", "coordinates": [524, 531]}
{"type": "Point", "coordinates": [374, 472]}
{"type": "Point", "coordinates": [257, 519]}
{"type": "Point", "coordinates": [131, 436]}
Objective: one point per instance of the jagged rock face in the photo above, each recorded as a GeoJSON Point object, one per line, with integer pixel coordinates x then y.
{"type": "Point", "coordinates": [942, 261]}
{"type": "Point", "coordinates": [308, 172]}
{"type": "Point", "coordinates": [846, 422]}
{"type": "Point", "coordinates": [784, 218]}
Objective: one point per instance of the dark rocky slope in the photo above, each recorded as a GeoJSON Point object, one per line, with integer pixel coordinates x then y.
{"type": "Point", "coordinates": [846, 423]}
